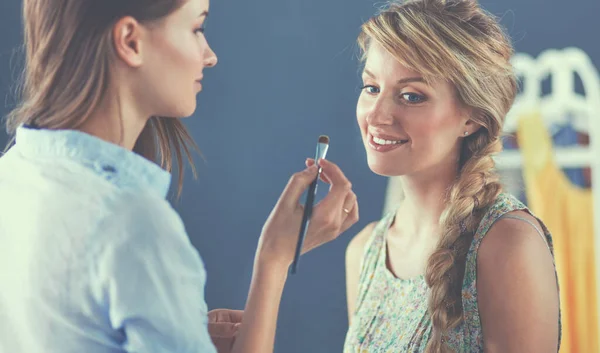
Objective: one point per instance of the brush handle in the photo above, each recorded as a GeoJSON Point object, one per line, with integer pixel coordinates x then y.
{"type": "Point", "coordinates": [308, 206]}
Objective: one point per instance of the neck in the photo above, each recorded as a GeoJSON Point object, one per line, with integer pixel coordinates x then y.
{"type": "Point", "coordinates": [117, 120]}
{"type": "Point", "coordinates": [425, 196]}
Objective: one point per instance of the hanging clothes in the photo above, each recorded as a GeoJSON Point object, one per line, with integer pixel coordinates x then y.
{"type": "Point", "coordinates": [567, 211]}
{"type": "Point", "coordinates": [566, 135]}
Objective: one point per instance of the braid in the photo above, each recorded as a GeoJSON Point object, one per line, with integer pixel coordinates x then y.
{"type": "Point", "coordinates": [473, 192]}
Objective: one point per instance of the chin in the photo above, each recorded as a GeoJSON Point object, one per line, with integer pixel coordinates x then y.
{"type": "Point", "coordinates": [180, 110]}
{"type": "Point", "coordinates": [184, 111]}
{"type": "Point", "coordinates": [188, 110]}
{"type": "Point", "coordinates": [384, 169]}
{"type": "Point", "coordinates": [187, 114]}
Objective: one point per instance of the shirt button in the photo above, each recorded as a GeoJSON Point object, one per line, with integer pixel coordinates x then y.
{"type": "Point", "coordinates": [108, 168]}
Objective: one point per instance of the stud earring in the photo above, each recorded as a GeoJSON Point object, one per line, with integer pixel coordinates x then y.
{"type": "Point", "coordinates": [466, 133]}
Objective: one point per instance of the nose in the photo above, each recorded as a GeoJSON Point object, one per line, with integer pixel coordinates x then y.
{"type": "Point", "coordinates": [380, 112]}
{"type": "Point", "coordinates": [210, 58]}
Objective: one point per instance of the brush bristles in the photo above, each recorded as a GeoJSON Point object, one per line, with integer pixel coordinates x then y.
{"type": "Point", "coordinates": [324, 139]}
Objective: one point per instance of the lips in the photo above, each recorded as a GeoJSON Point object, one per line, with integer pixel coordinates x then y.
{"type": "Point", "coordinates": [385, 143]}
{"type": "Point", "coordinates": [386, 137]}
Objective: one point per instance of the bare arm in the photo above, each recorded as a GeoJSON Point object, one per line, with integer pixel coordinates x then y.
{"type": "Point", "coordinates": [276, 251]}
{"type": "Point", "coordinates": [354, 254]}
{"type": "Point", "coordinates": [257, 332]}
{"type": "Point", "coordinates": [517, 289]}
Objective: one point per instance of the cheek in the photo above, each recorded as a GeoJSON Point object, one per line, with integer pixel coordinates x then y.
{"type": "Point", "coordinates": [184, 67]}
{"type": "Point", "coordinates": [433, 134]}
{"type": "Point", "coordinates": [422, 127]}
{"type": "Point", "coordinates": [362, 112]}
{"type": "Point", "coordinates": [190, 55]}
{"type": "Point", "coordinates": [425, 127]}
{"type": "Point", "coordinates": [445, 125]}
{"type": "Point", "coordinates": [183, 51]}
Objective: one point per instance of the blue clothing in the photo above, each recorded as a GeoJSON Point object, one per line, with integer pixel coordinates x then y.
{"type": "Point", "coordinates": [566, 135]}
{"type": "Point", "coordinates": [92, 256]}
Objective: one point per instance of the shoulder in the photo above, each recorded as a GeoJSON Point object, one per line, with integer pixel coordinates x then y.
{"type": "Point", "coordinates": [143, 231]}
{"type": "Point", "coordinates": [515, 239]}
{"type": "Point", "coordinates": [356, 246]}
{"type": "Point", "coordinates": [509, 236]}
{"type": "Point", "coordinates": [143, 216]}
{"type": "Point", "coordinates": [354, 263]}
{"type": "Point", "coordinates": [68, 200]}
{"type": "Point", "coordinates": [517, 289]}
{"type": "Point", "coordinates": [122, 223]}
{"type": "Point", "coordinates": [148, 272]}
{"type": "Point", "coordinates": [513, 252]}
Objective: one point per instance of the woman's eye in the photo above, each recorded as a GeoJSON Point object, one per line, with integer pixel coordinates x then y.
{"type": "Point", "coordinates": [413, 98]}
{"type": "Point", "coordinates": [370, 89]}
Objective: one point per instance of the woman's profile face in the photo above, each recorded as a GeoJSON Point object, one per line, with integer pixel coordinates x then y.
{"type": "Point", "coordinates": [175, 55]}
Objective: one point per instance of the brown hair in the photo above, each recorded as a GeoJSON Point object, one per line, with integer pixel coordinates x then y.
{"type": "Point", "coordinates": [68, 50]}
{"type": "Point", "coordinates": [455, 41]}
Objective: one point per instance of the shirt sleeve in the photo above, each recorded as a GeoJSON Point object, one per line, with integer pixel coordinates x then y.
{"type": "Point", "coordinates": [153, 281]}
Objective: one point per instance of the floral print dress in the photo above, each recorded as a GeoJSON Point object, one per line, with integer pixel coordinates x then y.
{"type": "Point", "coordinates": [392, 314]}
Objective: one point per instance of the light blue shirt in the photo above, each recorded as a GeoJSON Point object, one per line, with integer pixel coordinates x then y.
{"type": "Point", "coordinates": [93, 259]}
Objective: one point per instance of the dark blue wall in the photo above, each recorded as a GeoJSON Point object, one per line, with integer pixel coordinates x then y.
{"type": "Point", "coordinates": [288, 72]}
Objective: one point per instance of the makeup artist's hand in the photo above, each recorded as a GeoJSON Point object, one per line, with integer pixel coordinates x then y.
{"type": "Point", "coordinates": [223, 326]}
{"type": "Point", "coordinates": [331, 217]}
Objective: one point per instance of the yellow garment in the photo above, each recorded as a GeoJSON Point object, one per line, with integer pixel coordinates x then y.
{"type": "Point", "coordinates": [567, 211]}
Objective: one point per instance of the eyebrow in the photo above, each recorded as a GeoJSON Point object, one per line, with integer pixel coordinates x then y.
{"type": "Point", "coordinates": [400, 81]}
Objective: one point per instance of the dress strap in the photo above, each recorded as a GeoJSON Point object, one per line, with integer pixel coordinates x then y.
{"type": "Point", "coordinates": [532, 224]}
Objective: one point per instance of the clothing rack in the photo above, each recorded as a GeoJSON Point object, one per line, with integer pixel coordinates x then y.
{"type": "Point", "coordinates": [561, 66]}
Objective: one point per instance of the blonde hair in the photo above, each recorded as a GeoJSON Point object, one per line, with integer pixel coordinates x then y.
{"type": "Point", "coordinates": [458, 42]}
{"type": "Point", "coordinates": [68, 49]}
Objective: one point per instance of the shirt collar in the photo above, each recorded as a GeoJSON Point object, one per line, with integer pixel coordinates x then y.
{"type": "Point", "coordinates": [122, 167]}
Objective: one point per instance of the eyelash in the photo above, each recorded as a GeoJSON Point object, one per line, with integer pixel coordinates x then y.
{"type": "Point", "coordinates": [421, 97]}
{"type": "Point", "coordinates": [367, 86]}
{"type": "Point", "coordinates": [199, 30]}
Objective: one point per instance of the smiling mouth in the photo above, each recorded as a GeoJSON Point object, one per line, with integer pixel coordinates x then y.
{"type": "Point", "coordinates": [383, 142]}
{"type": "Point", "coordinates": [384, 145]}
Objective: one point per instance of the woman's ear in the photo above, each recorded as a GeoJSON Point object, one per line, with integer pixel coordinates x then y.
{"type": "Point", "coordinates": [471, 127]}
{"type": "Point", "coordinates": [127, 41]}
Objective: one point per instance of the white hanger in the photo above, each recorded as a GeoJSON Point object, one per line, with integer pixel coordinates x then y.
{"type": "Point", "coordinates": [557, 107]}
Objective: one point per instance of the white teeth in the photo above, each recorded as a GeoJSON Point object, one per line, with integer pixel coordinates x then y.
{"type": "Point", "coordinates": [379, 141]}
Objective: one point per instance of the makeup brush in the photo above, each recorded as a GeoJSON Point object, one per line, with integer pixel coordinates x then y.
{"type": "Point", "coordinates": [322, 147]}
